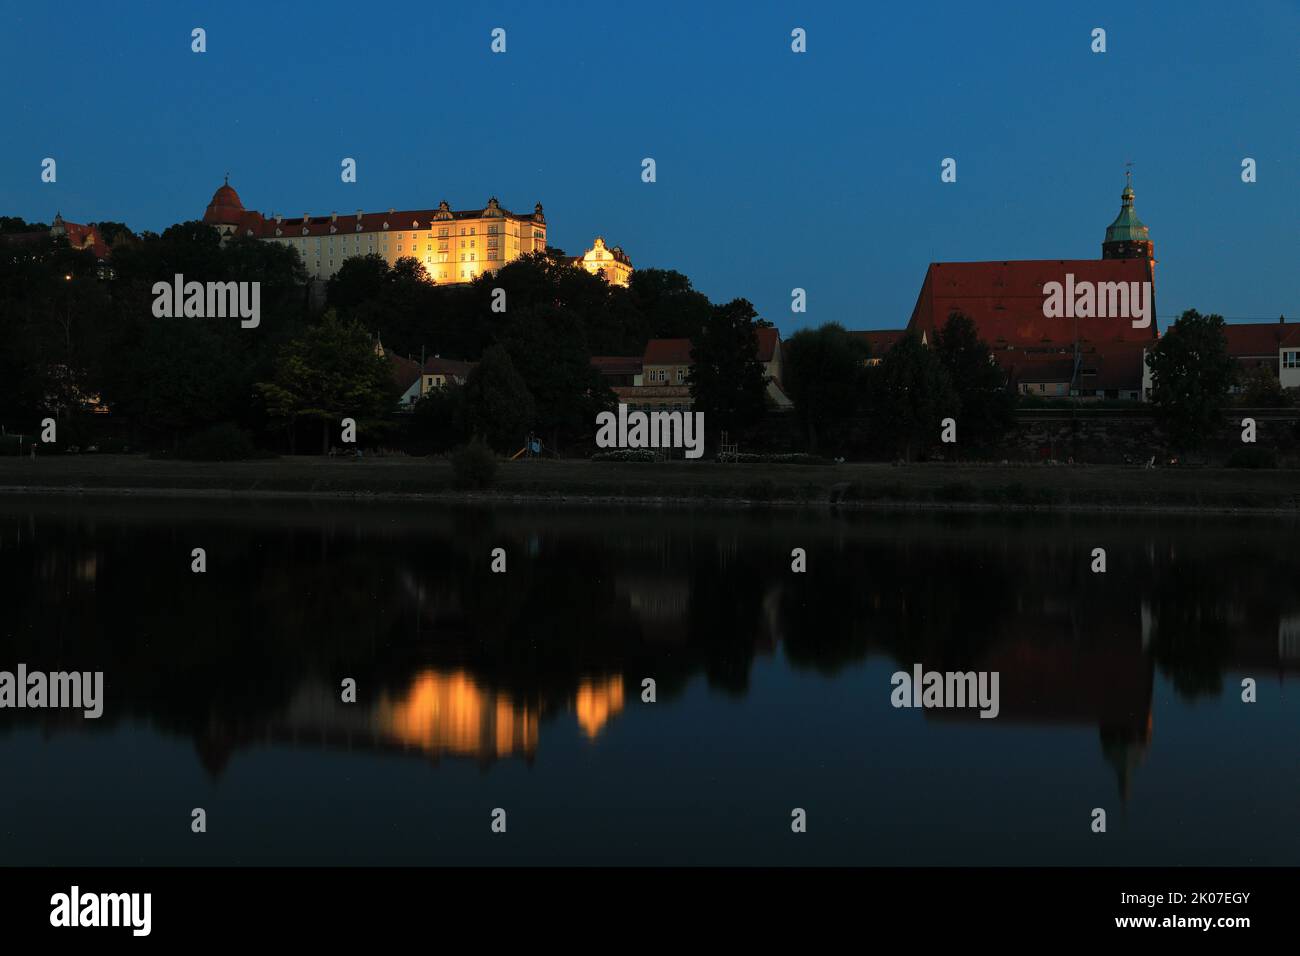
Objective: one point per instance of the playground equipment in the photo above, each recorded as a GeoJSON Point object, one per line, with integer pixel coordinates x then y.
{"type": "Point", "coordinates": [533, 448]}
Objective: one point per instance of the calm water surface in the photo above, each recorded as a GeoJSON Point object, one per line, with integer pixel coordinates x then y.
{"type": "Point", "coordinates": [523, 690]}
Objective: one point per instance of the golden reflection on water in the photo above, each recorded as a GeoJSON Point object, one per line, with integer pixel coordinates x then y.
{"type": "Point", "coordinates": [449, 712]}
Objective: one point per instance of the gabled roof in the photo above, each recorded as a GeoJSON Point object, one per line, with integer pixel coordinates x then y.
{"type": "Point", "coordinates": [1005, 300]}
{"type": "Point", "coordinates": [768, 340]}
{"type": "Point", "coordinates": [879, 341]}
{"type": "Point", "coordinates": [617, 364]}
{"type": "Point", "coordinates": [452, 368]}
{"type": "Point", "coordinates": [667, 352]}
{"type": "Point", "coordinates": [1256, 338]}
{"type": "Point", "coordinates": [406, 372]}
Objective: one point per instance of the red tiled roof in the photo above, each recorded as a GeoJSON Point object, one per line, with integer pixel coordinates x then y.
{"type": "Point", "coordinates": [768, 339]}
{"type": "Point", "coordinates": [667, 352]}
{"type": "Point", "coordinates": [452, 368]}
{"type": "Point", "coordinates": [1256, 338]}
{"type": "Point", "coordinates": [617, 364]}
{"type": "Point", "coordinates": [225, 206]}
{"type": "Point", "coordinates": [86, 237]}
{"type": "Point", "coordinates": [879, 341]}
{"type": "Point", "coordinates": [265, 227]}
{"type": "Point", "coordinates": [1115, 366]}
{"type": "Point", "coordinates": [1119, 367]}
{"type": "Point", "coordinates": [406, 372]}
{"type": "Point", "coordinates": [1005, 300]}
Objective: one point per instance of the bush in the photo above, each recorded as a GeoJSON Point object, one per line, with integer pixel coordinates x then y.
{"type": "Point", "coordinates": [222, 442]}
{"type": "Point", "coordinates": [1254, 457]}
{"type": "Point", "coordinates": [624, 454]}
{"type": "Point", "coordinates": [474, 465]}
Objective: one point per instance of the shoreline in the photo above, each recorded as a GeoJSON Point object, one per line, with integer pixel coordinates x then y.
{"type": "Point", "coordinates": [657, 502]}
{"type": "Point", "coordinates": [928, 487]}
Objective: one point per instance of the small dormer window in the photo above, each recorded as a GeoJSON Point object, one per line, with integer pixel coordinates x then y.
{"type": "Point", "coordinates": [415, 224]}
{"type": "Point", "coordinates": [304, 230]}
{"type": "Point", "coordinates": [385, 225]}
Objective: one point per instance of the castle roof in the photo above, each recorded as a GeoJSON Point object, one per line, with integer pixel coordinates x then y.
{"type": "Point", "coordinates": [225, 206]}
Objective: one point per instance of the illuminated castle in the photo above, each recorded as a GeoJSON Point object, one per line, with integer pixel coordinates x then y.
{"type": "Point", "coordinates": [454, 246]}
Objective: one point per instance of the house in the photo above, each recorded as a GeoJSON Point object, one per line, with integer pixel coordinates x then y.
{"type": "Point", "coordinates": [416, 380]}
{"type": "Point", "coordinates": [664, 385]}
{"type": "Point", "coordinates": [618, 370]}
{"type": "Point", "coordinates": [878, 342]}
{"type": "Point", "coordinates": [660, 378]}
{"type": "Point", "coordinates": [1274, 346]}
{"type": "Point", "coordinates": [769, 353]}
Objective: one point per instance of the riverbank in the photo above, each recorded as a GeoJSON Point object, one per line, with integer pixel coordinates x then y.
{"type": "Point", "coordinates": [930, 485]}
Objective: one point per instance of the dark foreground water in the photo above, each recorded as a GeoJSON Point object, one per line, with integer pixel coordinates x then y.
{"type": "Point", "coordinates": [523, 690]}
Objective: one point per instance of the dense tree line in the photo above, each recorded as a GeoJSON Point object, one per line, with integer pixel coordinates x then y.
{"type": "Point", "coordinates": [72, 335]}
{"type": "Point", "coordinates": [900, 398]}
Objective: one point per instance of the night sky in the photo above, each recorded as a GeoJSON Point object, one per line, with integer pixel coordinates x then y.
{"type": "Point", "coordinates": [775, 169]}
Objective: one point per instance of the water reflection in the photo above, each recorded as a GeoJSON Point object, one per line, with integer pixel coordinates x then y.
{"type": "Point", "coordinates": [453, 662]}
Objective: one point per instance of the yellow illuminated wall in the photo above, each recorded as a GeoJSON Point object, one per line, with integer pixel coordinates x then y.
{"type": "Point", "coordinates": [452, 250]}
{"type": "Point", "coordinates": [614, 263]}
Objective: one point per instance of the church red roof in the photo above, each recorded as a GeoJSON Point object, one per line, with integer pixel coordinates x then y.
{"type": "Point", "coordinates": [1005, 300]}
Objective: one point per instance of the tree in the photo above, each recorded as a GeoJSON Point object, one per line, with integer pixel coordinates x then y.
{"type": "Point", "coordinates": [359, 279]}
{"type": "Point", "coordinates": [438, 418]}
{"type": "Point", "coordinates": [1260, 388]}
{"type": "Point", "coordinates": [113, 233]}
{"type": "Point", "coordinates": [728, 382]}
{"type": "Point", "coordinates": [1191, 373]}
{"type": "Point", "coordinates": [913, 394]}
{"type": "Point", "coordinates": [547, 347]}
{"type": "Point", "coordinates": [498, 405]}
{"type": "Point", "coordinates": [670, 307]}
{"type": "Point", "coordinates": [986, 409]}
{"type": "Point", "coordinates": [330, 373]}
{"type": "Point", "coordinates": [824, 370]}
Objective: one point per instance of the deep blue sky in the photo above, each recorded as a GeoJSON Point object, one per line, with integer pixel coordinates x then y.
{"type": "Point", "coordinates": [775, 170]}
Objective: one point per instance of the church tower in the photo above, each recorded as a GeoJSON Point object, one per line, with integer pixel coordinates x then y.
{"type": "Point", "coordinates": [1127, 237]}
{"type": "Point", "coordinates": [225, 212]}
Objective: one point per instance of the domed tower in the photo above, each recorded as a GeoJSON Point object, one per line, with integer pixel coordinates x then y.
{"type": "Point", "coordinates": [1127, 237]}
{"type": "Point", "coordinates": [225, 211]}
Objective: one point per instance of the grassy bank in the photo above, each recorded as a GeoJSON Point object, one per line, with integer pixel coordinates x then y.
{"type": "Point", "coordinates": [849, 485]}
